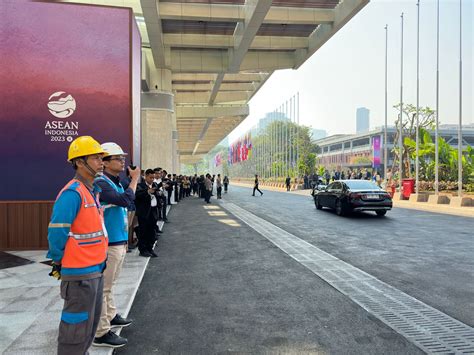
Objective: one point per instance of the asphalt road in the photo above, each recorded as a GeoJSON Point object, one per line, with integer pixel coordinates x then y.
{"type": "Point", "coordinates": [430, 256]}
{"type": "Point", "coordinates": [220, 287]}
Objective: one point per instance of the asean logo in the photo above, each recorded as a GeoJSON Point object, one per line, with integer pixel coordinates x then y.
{"type": "Point", "coordinates": [61, 105]}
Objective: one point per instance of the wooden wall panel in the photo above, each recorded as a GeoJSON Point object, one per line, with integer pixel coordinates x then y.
{"type": "Point", "coordinates": [24, 224]}
{"type": "Point", "coordinates": [3, 225]}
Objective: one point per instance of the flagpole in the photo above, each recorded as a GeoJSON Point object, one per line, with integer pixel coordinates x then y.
{"type": "Point", "coordinates": [437, 104]}
{"type": "Point", "coordinates": [400, 120]}
{"type": "Point", "coordinates": [460, 104]}
{"type": "Point", "coordinates": [385, 152]}
{"type": "Point", "coordinates": [297, 134]}
{"type": "Point", "coordinates": [417, 161]}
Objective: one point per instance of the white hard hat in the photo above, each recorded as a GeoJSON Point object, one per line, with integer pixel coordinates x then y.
{"type": "Point", "coordinates": [111, 148]}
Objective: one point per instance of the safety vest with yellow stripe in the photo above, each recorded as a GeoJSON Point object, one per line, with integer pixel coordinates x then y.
{"type": "Point", "coordinates": [87, 240]}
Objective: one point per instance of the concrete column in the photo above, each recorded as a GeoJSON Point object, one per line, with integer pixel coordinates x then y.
{"type": "Point", "coordinates": [157, 147]}
{"type": "Point", "coordinates": [159, 143]}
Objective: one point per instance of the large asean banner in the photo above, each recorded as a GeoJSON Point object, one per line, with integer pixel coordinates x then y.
{"type": "Point", "coordinates": [66, 70]}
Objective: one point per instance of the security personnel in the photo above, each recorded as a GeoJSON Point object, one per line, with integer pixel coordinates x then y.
{"type": "Point", "coordinates": [115, 200]}
{"type": "Point", "coordinates": [78, 247]}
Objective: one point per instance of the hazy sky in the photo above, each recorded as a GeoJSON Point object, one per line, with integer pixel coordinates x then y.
{"type": "Point", "coordinates": [348, 71]}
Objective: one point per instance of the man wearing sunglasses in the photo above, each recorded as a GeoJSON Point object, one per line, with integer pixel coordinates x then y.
{"type": "Point", "coordinates": [115, 200]}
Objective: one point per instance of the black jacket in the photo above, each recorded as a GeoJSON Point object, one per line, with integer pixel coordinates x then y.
{"type": "Point", "coordinates": [143, 199]}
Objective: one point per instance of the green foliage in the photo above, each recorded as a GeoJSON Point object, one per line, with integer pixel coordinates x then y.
{"type": "Point", "coordinates": [447, 155]}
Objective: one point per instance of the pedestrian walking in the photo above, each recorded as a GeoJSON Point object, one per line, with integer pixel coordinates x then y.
{"type": "Point", "coordinates": [78, 244]}
{"type": "Point", "coordinates": [208, 188]}
{"type": "Point", "coordinates": [219, 186]}
{"type": "Point", "coordinates": [255, 187]}
{"type": "Point", "coordinates": [288, 183]}
{"type": "Point", "coordinates": [226, 183]}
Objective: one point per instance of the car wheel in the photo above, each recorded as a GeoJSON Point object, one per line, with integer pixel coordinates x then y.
{"type": "Point", "coordinates": [317, 204]}
{"type": "Point", "coordinates": [381, 213]}
{"type": "Point", "coordinates": [339, 208]}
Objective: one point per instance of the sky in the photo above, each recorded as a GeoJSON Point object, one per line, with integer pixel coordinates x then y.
{"type": "Point", "coordinates": [348, 71]}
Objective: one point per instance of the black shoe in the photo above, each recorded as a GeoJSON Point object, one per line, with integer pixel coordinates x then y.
{"type": "Point", "coordinates": [110, 340]}
{"type": "Point", "coordinates": [145, 254]}
{"type": "Point", "coordinates": [153, 254]}
{"type": "Point", "coordinates": [119, 321]}
{"type": "Point", "coordinates": [159, 231]}
{"type": "Point", "coordinates": [166, 220]}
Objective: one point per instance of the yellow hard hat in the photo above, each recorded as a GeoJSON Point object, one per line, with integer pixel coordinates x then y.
{"type": "Point", "coordinates": [83, 146]}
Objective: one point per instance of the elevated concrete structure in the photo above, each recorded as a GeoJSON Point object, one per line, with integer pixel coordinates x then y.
{"type": "Point", "coordinates": [214, 56]}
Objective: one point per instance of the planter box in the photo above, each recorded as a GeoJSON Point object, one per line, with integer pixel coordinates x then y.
{"type": "Point", "coordinates": [462, 201]}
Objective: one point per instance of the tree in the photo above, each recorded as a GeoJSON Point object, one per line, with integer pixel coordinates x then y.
{"type": "Point", "coordinates": [408, 121]}
{"type": "Point", "coordinates": [448, 158]}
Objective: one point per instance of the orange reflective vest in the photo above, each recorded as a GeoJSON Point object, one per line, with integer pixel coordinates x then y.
{"type": "Point", "coordinates": [87, 242]}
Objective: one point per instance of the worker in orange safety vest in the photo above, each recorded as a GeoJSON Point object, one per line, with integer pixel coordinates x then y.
{"type": "Point", "coordinates": [78, 242]}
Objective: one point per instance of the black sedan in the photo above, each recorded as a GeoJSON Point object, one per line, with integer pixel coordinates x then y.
{"type": "Point", "coordinates": [353, 195]}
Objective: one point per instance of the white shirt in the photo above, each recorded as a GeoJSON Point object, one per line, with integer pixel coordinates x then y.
{"type": "Point", "coordinates": [154, 203]}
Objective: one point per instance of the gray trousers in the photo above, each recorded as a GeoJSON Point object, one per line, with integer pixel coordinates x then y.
{"type": "Point", "coordinates": [80, 316]}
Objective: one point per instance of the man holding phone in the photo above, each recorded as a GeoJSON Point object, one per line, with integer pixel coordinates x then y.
{"type": "Point", "coordinates": [115, 200]}
{"type": "Point", "coordinates": [146, 202]}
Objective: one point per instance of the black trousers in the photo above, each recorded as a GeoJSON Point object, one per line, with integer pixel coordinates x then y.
{"type": "Point", "coordinates": [162, 208]}
{"type": "Point", "coordinates": [207, 195]}
{"type": "Point", "coordinates": [225, 187]}
{"type": "Point", "coordinates": [219, 192]}
{"type": "Point", "coordinates": [146, 237]}
{"type": "Point", "coordinates": [256, 188]}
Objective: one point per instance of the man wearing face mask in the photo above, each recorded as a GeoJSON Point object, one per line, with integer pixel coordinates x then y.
{"type": "Point", "coordinates": [115, 200]}
{"type": "Point", "coordinates": [78, 247]}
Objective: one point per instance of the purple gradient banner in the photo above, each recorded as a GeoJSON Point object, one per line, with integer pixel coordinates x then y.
{"type": "Point", "coordinates": [376, 151]}
{"type": "Point", "coordinates": [66, 72]}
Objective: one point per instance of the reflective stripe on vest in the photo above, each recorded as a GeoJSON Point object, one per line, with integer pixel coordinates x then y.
{"type": "Point", "coordinates": [115, 217]}
{"type": "Point", "coordinates": [87, 235]}
{"type": "Point", "coordinates": [88, 225]}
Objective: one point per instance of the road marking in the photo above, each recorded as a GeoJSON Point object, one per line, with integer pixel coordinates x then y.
{"type": "Point", "coordinates": [428, 328]}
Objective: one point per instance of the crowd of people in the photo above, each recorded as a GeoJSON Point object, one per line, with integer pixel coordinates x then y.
{"type": "Point", "coordinates": [311, 180]}
{"type": "Point", "coordinates": [97, 218]}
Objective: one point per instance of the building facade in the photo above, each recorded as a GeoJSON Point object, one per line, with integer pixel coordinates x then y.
{"type": "Point", "coordinates": [366, 150]}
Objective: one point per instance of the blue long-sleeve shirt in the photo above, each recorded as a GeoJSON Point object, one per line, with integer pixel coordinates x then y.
{"type": "Point", "coordinates": [109, 195]}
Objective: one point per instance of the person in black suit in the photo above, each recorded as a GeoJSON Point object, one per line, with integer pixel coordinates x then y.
{"type": "Point", "coordinates": [146, 202]}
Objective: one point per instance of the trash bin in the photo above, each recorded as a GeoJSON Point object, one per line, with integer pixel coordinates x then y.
{"type": "Point", "coordinates": [408, 187]}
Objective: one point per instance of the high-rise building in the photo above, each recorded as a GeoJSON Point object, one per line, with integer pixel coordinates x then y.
{"type": "Point", "coordinates": [269, 118]}
{"type": "Point", "coordinates": [362, 120]}
{"type": "Point", "coordinates": [318, 134]}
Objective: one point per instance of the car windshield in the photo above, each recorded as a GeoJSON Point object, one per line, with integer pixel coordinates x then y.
{"type": "Point", "coordinates": [361, 185]}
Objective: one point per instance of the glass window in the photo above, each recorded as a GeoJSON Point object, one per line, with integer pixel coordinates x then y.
{"type": "Point", "coordinates": [361, 184]}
